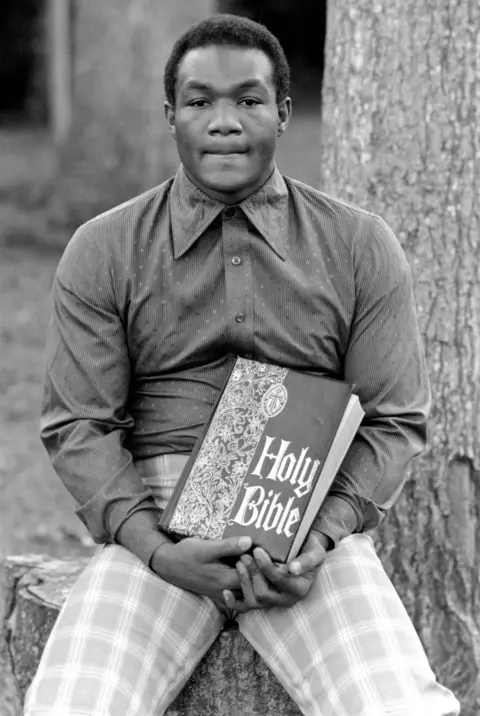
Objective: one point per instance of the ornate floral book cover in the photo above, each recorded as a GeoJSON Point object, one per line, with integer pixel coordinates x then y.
{"type": "Point", "coordinates": [266, 459]}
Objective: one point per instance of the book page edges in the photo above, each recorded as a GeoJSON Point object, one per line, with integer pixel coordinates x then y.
{"type": "Point", "coordinates": [347, 430]}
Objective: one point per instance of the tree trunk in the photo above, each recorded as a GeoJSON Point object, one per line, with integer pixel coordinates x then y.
{"type": "Point", "coordinates": [119, 144]}
{"type": "Point", "coordinates": [400, 137]}
{"type": "Point", "coordinates": [59, 65]}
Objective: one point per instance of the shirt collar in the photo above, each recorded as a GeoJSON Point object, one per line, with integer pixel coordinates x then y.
{"type": "Point", "coordinates": [192, 211]}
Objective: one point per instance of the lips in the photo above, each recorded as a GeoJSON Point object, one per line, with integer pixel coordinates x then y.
{"type": "Point", "coordinates": [225, 151]}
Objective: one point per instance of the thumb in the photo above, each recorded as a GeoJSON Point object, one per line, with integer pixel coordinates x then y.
{"type": "Point", "coordinates": [311, 556]}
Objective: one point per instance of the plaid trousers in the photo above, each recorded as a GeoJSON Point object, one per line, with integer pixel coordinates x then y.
{"type": "Point", "coordinates": [126, 642]}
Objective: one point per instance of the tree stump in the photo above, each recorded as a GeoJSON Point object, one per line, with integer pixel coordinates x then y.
{"type": "Point", "coordinates": [232, 679]}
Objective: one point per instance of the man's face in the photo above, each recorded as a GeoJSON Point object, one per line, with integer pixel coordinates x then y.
{"type": "Point", "coordinates": [226, 120]}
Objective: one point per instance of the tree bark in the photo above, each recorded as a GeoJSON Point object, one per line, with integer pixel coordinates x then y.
{"type": "Point", "coordinates": [400, 137]}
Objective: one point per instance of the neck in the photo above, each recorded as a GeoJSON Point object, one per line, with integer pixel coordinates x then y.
{"type": "Point", "coordinates": [234, 197]}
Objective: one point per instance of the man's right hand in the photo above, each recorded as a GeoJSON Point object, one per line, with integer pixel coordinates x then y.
{"type": "Point", "coordinates": [200, 565]}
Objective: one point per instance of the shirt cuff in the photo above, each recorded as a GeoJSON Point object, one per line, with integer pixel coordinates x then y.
{"type": "Point", "coordinates": [336, 519]}
{"type": "Point", "coordinates": [141, 535]}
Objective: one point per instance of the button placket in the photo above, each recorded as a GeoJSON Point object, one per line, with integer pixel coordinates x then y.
{"type": "Point", "coordinates": [238, 280]}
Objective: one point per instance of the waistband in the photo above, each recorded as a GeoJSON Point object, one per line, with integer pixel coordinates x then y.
{"type": "Point", "coordinates": [162, 465]}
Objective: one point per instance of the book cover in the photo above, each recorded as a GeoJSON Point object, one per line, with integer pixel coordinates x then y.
{"type": "Point", "coordinates": [271, 449]}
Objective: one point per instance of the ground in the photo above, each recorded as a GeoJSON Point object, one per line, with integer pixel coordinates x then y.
{"type": "Point", "coordinates": [36, 513]}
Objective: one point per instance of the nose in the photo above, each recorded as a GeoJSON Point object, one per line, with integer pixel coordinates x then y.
{"type": "Point", "coordinates": [224, 120]}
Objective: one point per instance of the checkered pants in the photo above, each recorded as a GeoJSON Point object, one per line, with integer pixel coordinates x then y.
{"type": "Point", "coordinates": [126, 642]}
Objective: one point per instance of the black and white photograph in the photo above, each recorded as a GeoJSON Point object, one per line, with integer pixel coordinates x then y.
{"type": "Point", "coordinates": [239, 358]}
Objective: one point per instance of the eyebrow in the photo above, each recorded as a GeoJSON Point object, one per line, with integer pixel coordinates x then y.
{"type": "Point", "coordinates": [205, 86]}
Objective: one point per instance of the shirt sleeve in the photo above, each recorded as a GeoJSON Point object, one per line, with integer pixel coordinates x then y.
{"type": "Point", "coordinates": [85, 416]}
{"type": "Point", "coordinates": [385, 360]}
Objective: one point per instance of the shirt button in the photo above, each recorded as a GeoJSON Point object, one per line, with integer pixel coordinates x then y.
{"type": "Point", "coordinates": [229, 212]}
{"type": "Point", "coordinates": [240, 318]}
{"type": "Point", "coordinates": [236, 261]}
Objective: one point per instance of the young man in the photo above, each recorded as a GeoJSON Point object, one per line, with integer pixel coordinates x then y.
{"type": "Point", "coordinates": [148, 301]}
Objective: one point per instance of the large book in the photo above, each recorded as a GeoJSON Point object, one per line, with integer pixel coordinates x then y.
{"type": "Point", "coordinates": [266, 459]}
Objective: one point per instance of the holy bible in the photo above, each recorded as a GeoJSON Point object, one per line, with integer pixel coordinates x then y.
{"type": "Point", "coordinates": [266, 459]}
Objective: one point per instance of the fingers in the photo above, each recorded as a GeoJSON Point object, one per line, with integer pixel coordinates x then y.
{"type": "Point", "coordinates": [231, 547]}
{"type": "Point", "coordinates": [251, 599]}
{"type": "Point", "coordinates": [311, 557]}
{"type": "Point", "coordinates": [234, 603]}
{"type": "Point", "coordinates": [275, 573]}
{"type": "Point", "coordinates": [262, 593]}
{"type": "Point", "coordinates": [257, 593]}
{"type": "Point", "coordinates": [255, 586]}
{"type": "Point", "coordinates": [280, 576]}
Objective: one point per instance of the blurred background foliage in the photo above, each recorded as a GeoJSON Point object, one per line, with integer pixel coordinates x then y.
{"type": "Point", "coordinates": [83, 102]}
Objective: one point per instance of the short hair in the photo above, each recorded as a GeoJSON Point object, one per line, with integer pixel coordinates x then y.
{"type": "Point", "coordinates": [235, 31]}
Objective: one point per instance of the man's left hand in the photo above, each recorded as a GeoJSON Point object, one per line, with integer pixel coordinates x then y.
{"type": "Point", "coordinates": [265, 584]}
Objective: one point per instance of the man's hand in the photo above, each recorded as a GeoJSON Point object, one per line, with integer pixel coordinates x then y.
{"type": "Point", "coordinates": [265, 584]}
{"type": "Point", "coordinates": [200, 565]}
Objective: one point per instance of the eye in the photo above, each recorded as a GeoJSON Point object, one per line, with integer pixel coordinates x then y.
{"type": "Point", "coordinates": [198, 103]}
{"type": "Point", "coordinates": [249, 101]}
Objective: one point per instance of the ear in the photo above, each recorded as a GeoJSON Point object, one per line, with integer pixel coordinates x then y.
{"type": "Point", "coordinates": [170, 117]}
{"type": "Point", "coordinates": [284, 114]}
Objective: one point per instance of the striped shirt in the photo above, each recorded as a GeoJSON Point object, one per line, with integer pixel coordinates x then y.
{"type": "Point", "coordinates": [151, 298]}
